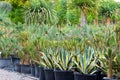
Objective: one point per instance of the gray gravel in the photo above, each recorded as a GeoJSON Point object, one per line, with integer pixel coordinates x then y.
{"type": "Point", "coordinates": [9, 75]}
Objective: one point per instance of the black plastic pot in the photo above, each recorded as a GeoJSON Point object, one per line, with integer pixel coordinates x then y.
{"type": "Point", "coordinates": [49, 74]}
{"type": "Point", "coordinates": [102, 76]}
{"type": "Point", "coordinates": [17, 68]}
{"type": "Point", "coordinates": [63, 75]}
{"type": "Point", "coordinates": [26, 69]}
{"type": "Point", "coordinates": [32, 70]}
{"type": "Point", "coordinates": [15, 60]}
{"type": "Point", "coordinates": [42, 74]}
{"type": "Point", "coordinates": [78, 76]}
{"type": "Point", "coordinates": [106, 78]}
{"type": "Point", "coordinates": [37, 72]}
{"type": "Point", "coordinates": [98, 74]}
{"type": "Point", "coordinates": [5, 62]}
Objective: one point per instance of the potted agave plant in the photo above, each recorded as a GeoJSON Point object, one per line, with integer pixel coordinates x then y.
{"type": "Point", "coordinates": [40, 58]}
{"type": "Point", "coordinates": [85, 63]}
{"type": "Point", "coordinates": [46, 65]}
{"type": "Point", "coordinates": [49, 64]}
{"type": "Point", "coordinates": [64, 65]}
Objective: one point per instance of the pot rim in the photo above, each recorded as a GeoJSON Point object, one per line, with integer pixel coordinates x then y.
{"type": "Point", "coordinates": [63, 71]}
{"type": "Point", "coordinates": [5, 58]}
{"type": "Point", "coordinates": [25, 65]}
{"type": "Point", "coordinates": [109, 78]}
{"type": "Point", "coordinates": [48, 69]}
{"type": "Point", "coordinates": [84, 74]}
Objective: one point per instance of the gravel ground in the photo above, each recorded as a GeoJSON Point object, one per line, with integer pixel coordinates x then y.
{"type": "Point", "coordinates": [9, 75]}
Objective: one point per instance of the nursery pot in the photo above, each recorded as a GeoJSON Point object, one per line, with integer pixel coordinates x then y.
{"type": "Point", "coordinates": [25, 69]}
{"type": "Point", "coordinates": [32, 70]}
{"type": "Point", "coordinates": [49, 74]}
{"type": "Point", "coordinates": [17, 68]}
{"type": "Point", "coordinates": [106, 78]}
{"type": "Point", "coordinates": [5, 62]}
{"type": "Point", "coordinates": [37, 72]}
{"type": "Point", "coordinates": [78, 76]}
{"type": "Point", "coordinates": [15, 60]}
{"type": "Point", "coordinates": [102, 76]}
{"type": "Point", "coordinates": [98, 74]}
{"type": "Point", "coordinates": [42, 74]}
{"type": "Point", "coordinates": [63, 75]}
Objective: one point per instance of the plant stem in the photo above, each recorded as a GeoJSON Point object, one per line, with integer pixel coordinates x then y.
{"type": "Point", "coordinates": [109, 75]}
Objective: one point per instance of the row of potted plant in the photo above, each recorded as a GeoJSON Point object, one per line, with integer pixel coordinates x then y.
{"type": "Point", "coordinates": [60, 64]}
{"type": "Point", "coordinates": [28, 46]}
{"type": "Point", "coordinates": [60, 60]}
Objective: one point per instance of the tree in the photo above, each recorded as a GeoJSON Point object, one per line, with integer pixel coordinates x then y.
{"type": "Point", "coordinates": [17, 13]}
{"type": "Point", "coordinates": [61, 12]}
{"type": "Point", "coordinates": [67, 13]}
{"type": "Point", "coordinates": [116, 16]}
{"type": "Point", "coordinates": [72, 13]}
{"type": "Point", "coordinates": [107, 10]}
{"type": "Point", "coordinates": [85, 6]}
{"type": "Point", "coordinates": [40, 12]}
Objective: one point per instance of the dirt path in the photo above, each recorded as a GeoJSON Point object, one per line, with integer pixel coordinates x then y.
{"type": "Point", "coordinates": [8, 75]}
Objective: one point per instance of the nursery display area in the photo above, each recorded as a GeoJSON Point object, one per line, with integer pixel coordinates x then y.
{"type": "Point", "coordinates": [60, 39]}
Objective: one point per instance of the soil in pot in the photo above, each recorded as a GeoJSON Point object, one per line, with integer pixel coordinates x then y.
{"type": "Point", "coordinates": [63, 75]}
{"type": "Point", "coordinates": [5, 62]}
{"type": "Point", "coordinates": [42, 74]}
{"type": "Point", "coordinates": [78, 76]}
{"type": "Point", "coordinates": [25, 69]}
{"type": "Point", "coordinates": [17, 68]}
{"type": "Point", "coordinates": [49, 74]}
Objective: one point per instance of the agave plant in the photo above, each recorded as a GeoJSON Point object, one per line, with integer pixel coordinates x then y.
{"type": "Point", "coordinates": [47, 59]}
{"type": "Point", "coordinates": [86, 61]}
{"type": "Point", "coordinates": [64, 60]}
